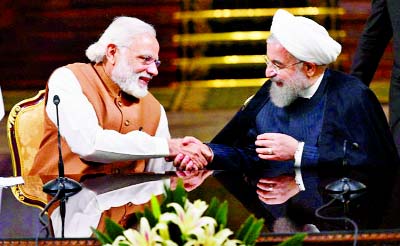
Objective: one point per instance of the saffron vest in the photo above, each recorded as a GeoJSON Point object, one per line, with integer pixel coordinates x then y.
{"type": "Point", "coordinates": [115, 110]}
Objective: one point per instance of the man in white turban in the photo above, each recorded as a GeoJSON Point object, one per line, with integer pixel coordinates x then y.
{"type": "Point", "coordinates": [306, 114]}
{"type": "Point", "coordinates": [304, 38]}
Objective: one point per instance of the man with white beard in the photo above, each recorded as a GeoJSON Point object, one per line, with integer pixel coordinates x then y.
{"type": "Point", "coordinates": [306, 114]}
{"type": "Point", "coordinates": [109, 122]}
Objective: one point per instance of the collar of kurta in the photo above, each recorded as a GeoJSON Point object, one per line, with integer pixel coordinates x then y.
{"type": "Point", "coordinates": [112, 87]}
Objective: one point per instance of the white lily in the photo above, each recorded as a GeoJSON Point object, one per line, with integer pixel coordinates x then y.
{"type": "Point", "coordinates": [162, 230]}
{"type": "Point", "coordinates": [190, 221]}
{"type": "Point", "coordinates": [144, 237]}
{"type": "Point", "coordinates": [208, 238]}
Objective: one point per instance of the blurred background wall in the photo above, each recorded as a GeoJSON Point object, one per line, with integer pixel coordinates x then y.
{"type": "Point", "coordinates": [211, 52]}
{"type": "Point", "coordinates": [210, 49]}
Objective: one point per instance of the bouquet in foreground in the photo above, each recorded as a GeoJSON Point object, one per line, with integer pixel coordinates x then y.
{"type": "Point", "coordinates": [178, 221]}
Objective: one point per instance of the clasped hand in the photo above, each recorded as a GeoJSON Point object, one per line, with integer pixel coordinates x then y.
{"type": "Point", "coordinates": [189, 153]}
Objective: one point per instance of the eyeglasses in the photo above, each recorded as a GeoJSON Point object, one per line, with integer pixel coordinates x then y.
{"type": "Point", "coordinates": [277, 67]}
{"type": "Point", "coordinates": [146, 60]}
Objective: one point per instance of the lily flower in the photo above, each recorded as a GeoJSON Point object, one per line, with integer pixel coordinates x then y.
{"type": "Point", "coordinates": [208, 237]}
{"type": "Point", "coordinates": [190, 221]}
{"type": "Point", "coordinates": [145, 236]}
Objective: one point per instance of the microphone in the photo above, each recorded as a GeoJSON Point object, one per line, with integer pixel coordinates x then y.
{"type": "Point", "coordinates": [62, 187]}
{"type": "Point", "coordinates": [345, 188]}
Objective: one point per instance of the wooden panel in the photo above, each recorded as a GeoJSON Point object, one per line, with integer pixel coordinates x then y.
{"type": "Point", "coordinates": [44, 35]}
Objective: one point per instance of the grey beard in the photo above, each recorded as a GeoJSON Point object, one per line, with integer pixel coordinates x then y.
{"type": "Point", "coordinates": [282, 96]}
{"type": "Point", "coordinates": [128, 81]}
{"type": "Point", "coordinates": [131, 86]}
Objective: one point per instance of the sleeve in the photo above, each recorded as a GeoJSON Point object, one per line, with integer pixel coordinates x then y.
{"type": "Point", "coordinates": [309, 155]}
{"type": "Point", "coordinates": [160, 165]}
{"type": "Point", "coordinates": [234, 146]}
{"type": "Point", "coordinates": [373, 143]}
{"type": "Point", "coordinates": [232, 158]}
{"type": "Point", "coordinates": [372, 43]}
{"type": "Point", "coordinates": [356, 132]}
{"type": "Point", "coordinates": [81, 130]}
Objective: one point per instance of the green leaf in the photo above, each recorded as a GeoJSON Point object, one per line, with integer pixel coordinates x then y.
{"type": "Point", "coordinates": [178, 195]}
{"type": "Point", "coordinates": [254, 232]}
{"type": "Point", "coordinates": [296, 240]}
{"type": "Point", "coordinates": [103, 238]}
{"type": "Point", "coordinates": [250, 230]}
{"type": "Point", "coordinates": [155, 207]}
{"type": "Point", "coordinates": [219, 211]}
{"type": "Point", "coordinates": [139, 215]}
{"type": "Point", "coordinates": [124, 244]}
{"type": "Point", "coordinates": [212, 208]}
{"type": "Point", "coordinates": [222, 215]}
{"type": "Point", "coordinates": [113, 229]}
{"type": "Point", "coordinates": [244, 228]}
{"type": "Point", "coordinates": [148, 214]}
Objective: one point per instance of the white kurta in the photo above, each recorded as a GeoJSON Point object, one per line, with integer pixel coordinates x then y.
{"type": "Point", "coordinates": [80, 128]}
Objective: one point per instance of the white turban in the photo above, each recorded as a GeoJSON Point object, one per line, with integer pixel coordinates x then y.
{"type": "Point", "coordinates": [304, 38]}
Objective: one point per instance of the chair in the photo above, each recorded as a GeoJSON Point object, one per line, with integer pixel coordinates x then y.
{"type": "Point", "coordinates": [24, 132]}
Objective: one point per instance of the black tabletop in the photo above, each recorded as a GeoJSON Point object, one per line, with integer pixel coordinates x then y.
{"type": "Point", "coordinates": [290, 200]}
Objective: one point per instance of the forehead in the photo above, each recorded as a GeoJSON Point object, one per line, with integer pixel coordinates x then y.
{"type": "Point", "coordinates": [275, 51]}
{"type": "Point", "coordinates": [145, 43]}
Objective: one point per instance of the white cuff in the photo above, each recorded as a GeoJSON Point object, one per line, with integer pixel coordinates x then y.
{"type": "Point", "coordinates": [298, 154]}
{"type": "Point", "coordinates": [299, 179]}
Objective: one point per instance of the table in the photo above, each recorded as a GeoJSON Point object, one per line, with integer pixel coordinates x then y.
{"type": "Point", "coordinates": [374, 207]}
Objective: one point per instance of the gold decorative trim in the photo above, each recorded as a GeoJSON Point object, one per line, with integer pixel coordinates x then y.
{"type": "Point", "coordinates": [198, 62]}
{"type": "Point", "coordinates": [12, 116]}
{"type": "Point", "coordinates": [332, 238]}
{"type": "Point", "coordinates": [199, 38]}
{"type": "Point", "coordinates": [47, 242]}
{"type": "Point", "coordinates": [252, 13]}
{"type": "Point", "coordinates": [223, 83]}
{"type": "Point", "coordinates": [18, 193]}
{"type": "Point", "coordinates": [18, 190]}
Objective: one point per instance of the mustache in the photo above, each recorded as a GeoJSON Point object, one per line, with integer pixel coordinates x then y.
{"type": "Point", "coordinates": [275, 80]}
{"type": "Point", "coordinates": [145, 75]}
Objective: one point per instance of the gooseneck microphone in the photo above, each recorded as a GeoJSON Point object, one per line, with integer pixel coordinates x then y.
{"type": "Point", "coordinates": [56, 101]}
{"type": "Point", "coordinates": [62, 187]}
{"type": "Point", "coordinates": [345, 188]}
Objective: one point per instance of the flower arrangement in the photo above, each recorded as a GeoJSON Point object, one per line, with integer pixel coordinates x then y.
{"type": "Point", "coordinates": [178, 221]}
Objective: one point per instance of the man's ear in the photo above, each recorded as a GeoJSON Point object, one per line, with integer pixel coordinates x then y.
{"type": "Point", "coordinates": [310, 68]}
{"type": "Point", "coordinates": [111, 52]}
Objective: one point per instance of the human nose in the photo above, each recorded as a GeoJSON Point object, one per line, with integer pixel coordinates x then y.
{"type": "Point", "coordinates": [152, 69]}
{"type": "Point", "coordinates": [270, 71]}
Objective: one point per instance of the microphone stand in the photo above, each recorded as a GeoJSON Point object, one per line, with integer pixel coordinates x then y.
{"type": "Point", "coordinates": [345, 189]}
{"type": "Point", "coordinates": [62, 187]}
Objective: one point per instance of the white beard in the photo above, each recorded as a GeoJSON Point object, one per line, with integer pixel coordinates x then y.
{"type": "Point", "coordinates": [124, 76]}
{"type": "Point", "coordinates": [290, 91]}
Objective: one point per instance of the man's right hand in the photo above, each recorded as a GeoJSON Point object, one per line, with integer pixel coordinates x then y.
{"type": "Point", "coordinates": [189, 153]}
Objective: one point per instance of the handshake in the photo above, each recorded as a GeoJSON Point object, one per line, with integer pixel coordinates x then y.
{"type": "Point", "coordinates": [189, 153]}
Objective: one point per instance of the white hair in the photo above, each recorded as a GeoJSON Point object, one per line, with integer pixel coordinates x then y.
{"type": "Point", "coordinates": [120, 32]}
